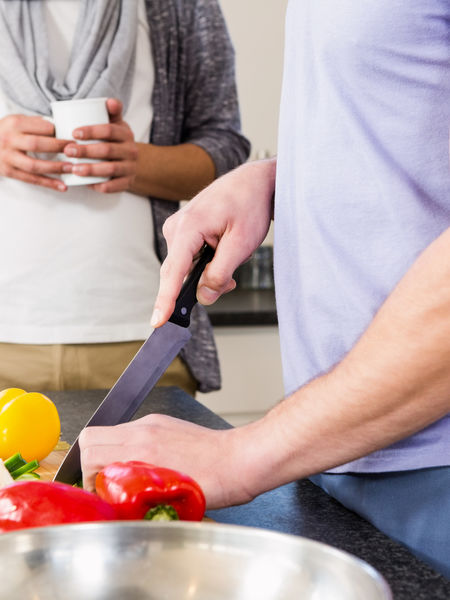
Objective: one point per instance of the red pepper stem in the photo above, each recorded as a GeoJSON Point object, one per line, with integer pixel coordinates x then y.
{"type": "Point", "coordinates": [162, 512]}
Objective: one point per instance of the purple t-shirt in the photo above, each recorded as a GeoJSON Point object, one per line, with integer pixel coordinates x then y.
{"type": "Point", "coordinates": [363, 181]}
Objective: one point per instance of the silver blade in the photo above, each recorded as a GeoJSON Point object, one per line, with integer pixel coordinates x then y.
{"type": "Point", "coordinates": [131, 389]}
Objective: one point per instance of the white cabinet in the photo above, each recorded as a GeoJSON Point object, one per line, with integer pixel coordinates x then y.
{"type": "Point", "coordinates": [251, 373]}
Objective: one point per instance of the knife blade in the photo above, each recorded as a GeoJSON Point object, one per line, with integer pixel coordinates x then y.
{"type": "Point", "coordinates": [144, 370]}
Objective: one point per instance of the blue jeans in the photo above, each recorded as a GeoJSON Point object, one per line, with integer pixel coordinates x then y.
{"type": "Point", "coordinates": [411, 507]}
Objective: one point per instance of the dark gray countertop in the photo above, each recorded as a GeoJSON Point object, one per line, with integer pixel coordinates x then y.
{"type": "Point", "coordinates": [244, 307]}
{"type": "Point", "coordinates": [299, 508]}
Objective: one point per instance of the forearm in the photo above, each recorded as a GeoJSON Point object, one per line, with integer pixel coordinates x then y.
{"type": "Point", "coordinates": [394, 382]}
{"type": "Point", "coordinates": [172, 172]}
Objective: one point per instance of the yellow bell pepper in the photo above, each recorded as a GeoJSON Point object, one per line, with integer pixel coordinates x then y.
{"type": "Point", "coordinates": [29, 424]}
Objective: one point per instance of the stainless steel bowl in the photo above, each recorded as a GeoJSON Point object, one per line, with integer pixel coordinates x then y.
{"type": "Point", "coordinates": [175, 561]}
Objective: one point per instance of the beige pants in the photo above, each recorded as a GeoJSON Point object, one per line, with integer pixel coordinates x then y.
{"type": "Point", "coordinates": [77, 367]}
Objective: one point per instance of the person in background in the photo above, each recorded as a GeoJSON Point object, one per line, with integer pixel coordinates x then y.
{"type": "Point", "coordinates": [80, 266]}
{"type": "Point", "coordinates": [362, 271]}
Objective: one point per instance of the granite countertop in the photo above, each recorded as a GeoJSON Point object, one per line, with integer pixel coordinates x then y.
{"type": "Point", "coordinates": [299, 508]}
{"type": "Point", "coordinates": [244, 307]}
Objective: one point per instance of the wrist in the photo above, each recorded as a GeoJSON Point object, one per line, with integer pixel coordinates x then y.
{"type": "Point", "coordinates": [260, 457]}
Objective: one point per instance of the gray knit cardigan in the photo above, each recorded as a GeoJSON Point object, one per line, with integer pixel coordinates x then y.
{"type": "Point", "coordinates": [194, 100]}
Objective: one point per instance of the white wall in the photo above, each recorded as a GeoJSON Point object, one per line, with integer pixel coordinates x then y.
{"type": "Point", "coordinates": [257, 30]}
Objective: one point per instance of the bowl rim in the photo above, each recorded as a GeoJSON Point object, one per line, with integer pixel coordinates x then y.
{"type": "Point", "coordinates": [212, 526]}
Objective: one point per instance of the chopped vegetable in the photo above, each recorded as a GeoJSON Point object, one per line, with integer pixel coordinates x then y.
{"type": "Point", "coordinates": [26, 476]}
{"type": "Point", "coordinates": [39, 503]}
{"type": "Point", "coordinates": [136, 489]}
{"type": "Point", "coordinates": [25, 469]}
{"type": "Point", "coordinates": [5, 475]}
{"type": "Point", "coordinates": [15, 462]}
{"type": "Point", "coordinates": [19, 469]}
{"type": "Point", "coordinates": [29, 424]}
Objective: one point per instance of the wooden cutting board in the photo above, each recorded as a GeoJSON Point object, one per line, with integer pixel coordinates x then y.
{"type": "Point", "coordinates": [49, 466]}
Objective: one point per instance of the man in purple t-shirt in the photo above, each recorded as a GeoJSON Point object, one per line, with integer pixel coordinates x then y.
{"type": "Point", "coordinates": [362, 240]}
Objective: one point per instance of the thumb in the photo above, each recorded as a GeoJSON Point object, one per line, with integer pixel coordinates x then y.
{"type": "Point", "coordinates": [115, 108]}
{"type": "Point", "coordinates": [207, 295]}
{"type": "Point", "coordinates": [217, 278]}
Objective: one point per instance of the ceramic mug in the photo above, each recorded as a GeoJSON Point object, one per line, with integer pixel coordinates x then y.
{"type": "Point", "coordinates": [67, 115]}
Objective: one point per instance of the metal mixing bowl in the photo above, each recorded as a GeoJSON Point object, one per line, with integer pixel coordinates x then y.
{"type": "Point", "coordinates": [178, 561]}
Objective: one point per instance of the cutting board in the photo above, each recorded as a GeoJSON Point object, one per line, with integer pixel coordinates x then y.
{"type": "Point", "coordinates": [49, 466]}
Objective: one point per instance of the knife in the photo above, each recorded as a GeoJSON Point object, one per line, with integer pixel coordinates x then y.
{"type": "Point", "coordinates": [145, 369]}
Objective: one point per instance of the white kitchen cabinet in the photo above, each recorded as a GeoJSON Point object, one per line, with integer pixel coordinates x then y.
{"type": "Point", "coordinates": [251, 373]}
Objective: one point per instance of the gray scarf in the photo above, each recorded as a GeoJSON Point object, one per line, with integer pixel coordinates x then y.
{"type": "Point", "coordinates": [101, 62]}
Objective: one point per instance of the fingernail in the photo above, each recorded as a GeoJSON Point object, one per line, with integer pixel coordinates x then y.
{"type": "Point", "coordinates": [156, 318]}
{"type": "Point", "coordinates": [61, 187]}
{"type": "Point", "coordinates": [207, 295]}
{"type": "Point", "coordinates": [78, 170]}
{"type": "Point", "coordinates": [78, 134]}
{"type": "Point", "coordinates": [67, 169]}
{"type": "Point", "coordinates": [71, 152]}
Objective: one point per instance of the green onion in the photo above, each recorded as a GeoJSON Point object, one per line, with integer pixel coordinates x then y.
{"type": "Point", "coordinates": [14, 462]}
{"type": "Point", "coordinates": [26, 468]}
{"type": "Point", "coordinates": [20, 468]}
{"type": "Point", "coordinates": [26, 476]}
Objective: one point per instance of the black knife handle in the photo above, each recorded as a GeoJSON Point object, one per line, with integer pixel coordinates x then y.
{"type": "Point", "coordinates": [187, 298]}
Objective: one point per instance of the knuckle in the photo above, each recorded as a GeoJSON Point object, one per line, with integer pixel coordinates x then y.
{"type": "Point", "coordinates": [14, 121]}
{"type": "Point", "coordinates": [109, 169]}
{"type": "Point", "coordinates": [5, 140]}
{"type": "Point", "coordinates": [169, 226]}
{"type": "Point", "coordinates": [129, 168]}
{"type": "Point", "coordinates": [109, 130]}
{"type": "Point", "coordinates": [129, 134]}
{"type": "Point", "coordinates": [217, 278]}
{"type": "Point", "coordinates": [134, 152]}
{"type": "Point", "coordinates": [106, 151]}
{"type": "Point", "coordinates": [35, 180]}
{"type": "Point", "coordinates": [165, 268]}
{"type": "Point", "coordinates": [33, 166]}
{"type": "Point", "coordinates": [83, 438]}
{"type": "Point", "coordinates": [7, 170]}
{"type": "Point", "coordinates": [32, 144]}
{"type": "Point", "coordinates": [152, 421]}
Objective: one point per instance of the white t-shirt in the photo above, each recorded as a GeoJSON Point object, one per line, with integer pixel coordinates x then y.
{"type": "Point", "coordinates": [79, 266]}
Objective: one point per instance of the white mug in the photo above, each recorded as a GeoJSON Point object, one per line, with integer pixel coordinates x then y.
{"type": "Point", "coordinates": [67, 116]}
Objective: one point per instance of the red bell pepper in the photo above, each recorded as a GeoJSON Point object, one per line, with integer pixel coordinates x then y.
{"type": "Point", "coordinates": [139, 490]}
{"type": "Point", "coordinates": [40, 503]}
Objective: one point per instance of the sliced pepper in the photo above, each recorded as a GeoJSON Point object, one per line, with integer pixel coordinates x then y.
{"type": "Point", "coordinates": [136, 488]}
{"type": "Point", "coordinates": [39, 503]}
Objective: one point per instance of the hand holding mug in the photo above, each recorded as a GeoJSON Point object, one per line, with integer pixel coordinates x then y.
{"type": "Point", "coordinates": [105, 150]}
{"type": "Point", "coordinates": [22, 134]}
